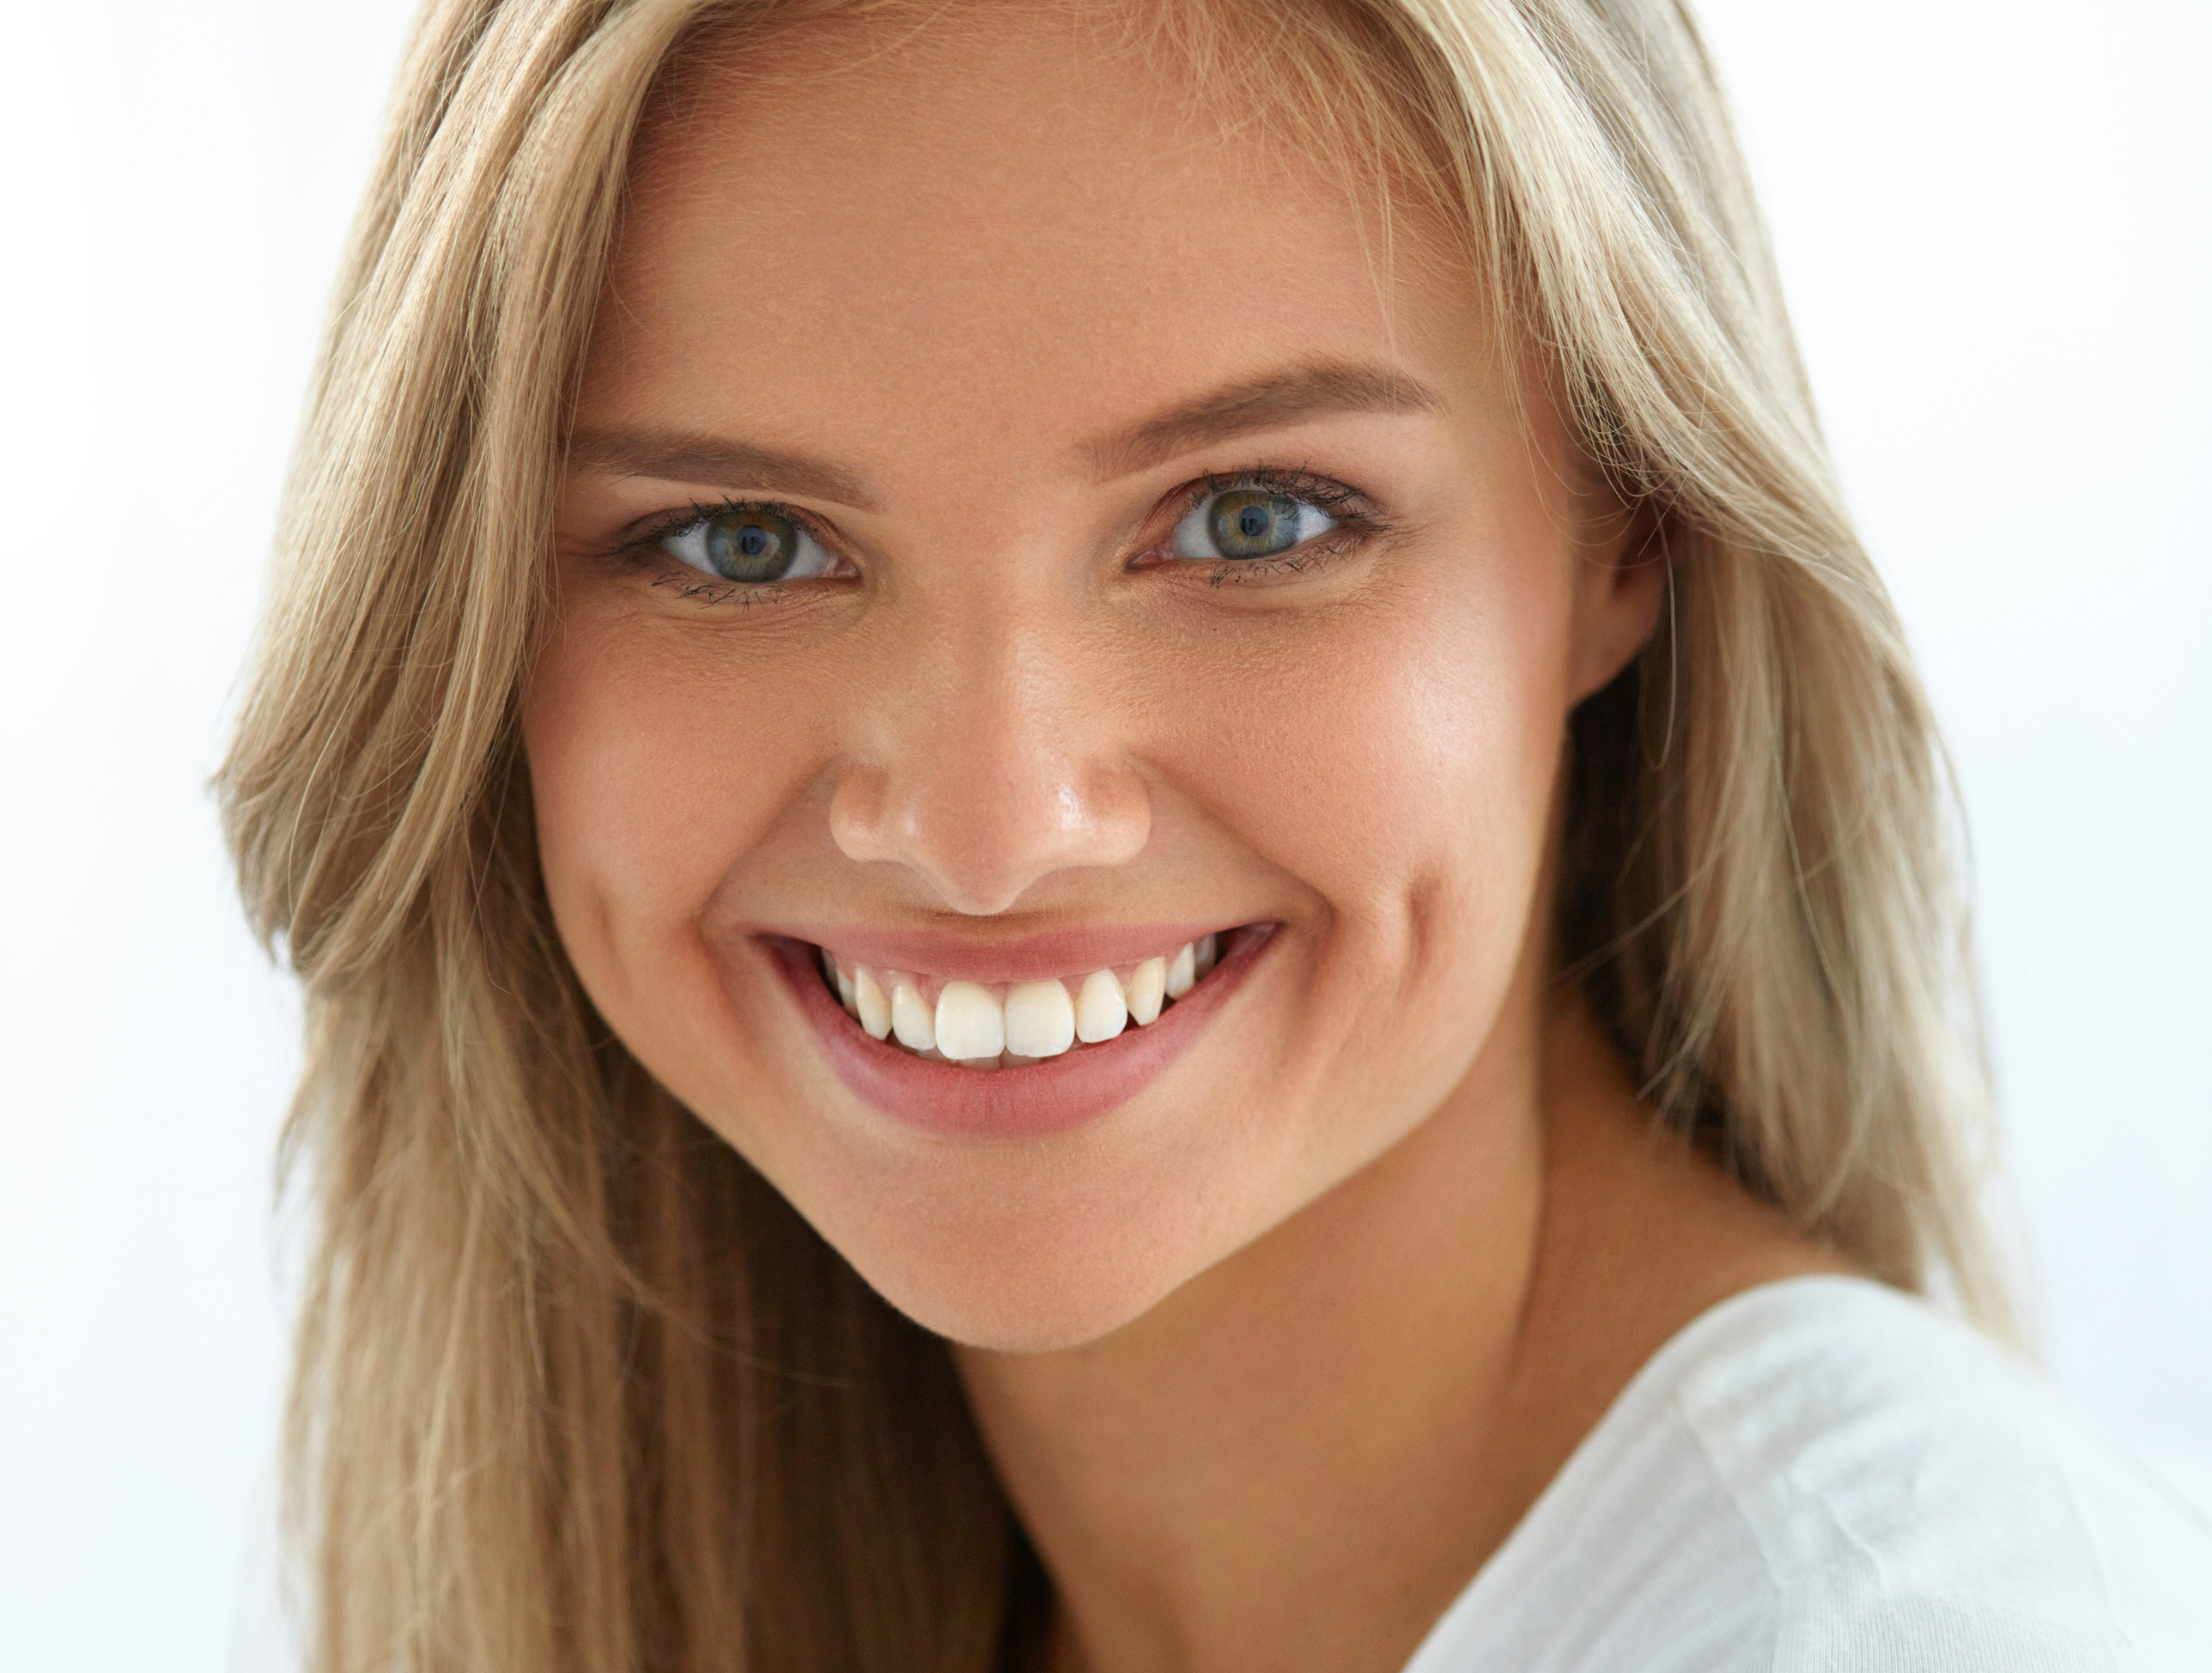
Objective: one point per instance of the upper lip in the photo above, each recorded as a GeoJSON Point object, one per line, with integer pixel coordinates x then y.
{"type": "Point", "coordinates": [1072, 951]}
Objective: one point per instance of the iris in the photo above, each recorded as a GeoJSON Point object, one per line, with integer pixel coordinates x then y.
{"type": "Point", "coordinates": [1254, 523]}
{"type": "Point", "coordinates": [1248, 521]}
{"type": "Point", "coordinates": [754, 544]}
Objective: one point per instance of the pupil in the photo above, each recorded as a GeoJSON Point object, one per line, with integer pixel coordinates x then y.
{"type": "Point", "coordinates": [752, 542]}
{"type": "Point", "coordinates": [1254, 521]}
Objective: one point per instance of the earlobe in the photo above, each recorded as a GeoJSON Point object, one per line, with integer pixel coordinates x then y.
{"type": "Point", "coordinates": [1620, 592]}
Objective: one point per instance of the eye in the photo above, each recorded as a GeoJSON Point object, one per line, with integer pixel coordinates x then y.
{"type": "Point", "coordinates": [749, 544]}
{"type": "Point", "coordinates": [1248, 522]}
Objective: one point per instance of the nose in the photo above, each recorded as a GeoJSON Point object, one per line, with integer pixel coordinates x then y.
{"type": "Point", "coordinates": [988, 762]}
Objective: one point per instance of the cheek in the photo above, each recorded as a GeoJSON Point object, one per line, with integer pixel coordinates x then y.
{"type": "Point", "coordinates": [648, 782]}
{"type": "Point", "coordinates": [1410, 746]}
{"type": "Point", "coordinates": [1401, 765]}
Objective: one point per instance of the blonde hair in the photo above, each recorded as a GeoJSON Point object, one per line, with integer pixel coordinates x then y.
{"type": "Point", "coordinates": [576, 1389]}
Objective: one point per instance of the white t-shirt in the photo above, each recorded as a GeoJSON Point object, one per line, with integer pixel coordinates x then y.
{"type": "Point", "coordinates": [1823, 1474]}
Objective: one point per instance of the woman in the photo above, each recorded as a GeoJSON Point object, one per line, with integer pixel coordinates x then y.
{"type": "Point", "coordinates": [1109, 859]}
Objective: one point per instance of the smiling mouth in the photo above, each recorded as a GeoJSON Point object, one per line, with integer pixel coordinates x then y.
{"type": "Point", "coordinates": [981, 1025]}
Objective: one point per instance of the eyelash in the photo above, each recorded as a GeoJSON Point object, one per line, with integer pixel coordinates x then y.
{"type": "Point", "coordinates": [642, 551]}
{"type": "Point", "coordinates": [1356, 524]}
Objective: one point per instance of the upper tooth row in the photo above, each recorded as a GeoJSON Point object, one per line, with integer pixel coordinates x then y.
{"type": "Point", "coordinates": [970, 1023]}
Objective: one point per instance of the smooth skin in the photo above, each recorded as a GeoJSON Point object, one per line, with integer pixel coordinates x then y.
{"type": "Point", "coordinates": [1272, 1357]}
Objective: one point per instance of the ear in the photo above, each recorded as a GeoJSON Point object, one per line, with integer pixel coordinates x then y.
{"type": "Point", "coordinates": [1619, 585]}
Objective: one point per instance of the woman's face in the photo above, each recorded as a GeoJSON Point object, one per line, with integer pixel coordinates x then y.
{"type": "Point", "coordinates": [1019, 525]}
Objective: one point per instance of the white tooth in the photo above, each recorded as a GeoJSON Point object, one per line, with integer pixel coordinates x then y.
{"type": "Point", "coordinates": [969, 1022]}
{"type": "Point", "coordinates": [1040, 1019]}
{"type": "Point", "coordinates": [1148, 982]}
{"type": "Point", "coordinates": [1101, 1013]}
{"type": "Point", "coordinates": [875, 1010]}
{"type": "Point", "coordinates": [1183, 972]}
{"type": "Point", "coordinates": [844, 982]}
{"type": "Point", "coordinates": [1208, 949]}
{"type": "Point", "coordinates": [913, 1022]}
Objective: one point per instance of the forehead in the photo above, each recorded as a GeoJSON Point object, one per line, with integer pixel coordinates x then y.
{"type": "Point", "coordinates": [1010, 204]}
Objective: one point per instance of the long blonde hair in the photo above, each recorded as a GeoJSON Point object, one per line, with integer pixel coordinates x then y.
{"type": "Point", "coordinates": [576, 1389]}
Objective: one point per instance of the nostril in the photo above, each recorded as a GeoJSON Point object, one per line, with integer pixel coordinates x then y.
{"type": "Point", "coordinates": [858, 806]}
{"type": "Point", "coordinates": [980, 832]}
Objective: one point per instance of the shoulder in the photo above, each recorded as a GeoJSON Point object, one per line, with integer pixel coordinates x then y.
{"type": "Point", "coordinates": [1824, 1474]}
{"type": "Point", "coordinates": [1921, 1499]}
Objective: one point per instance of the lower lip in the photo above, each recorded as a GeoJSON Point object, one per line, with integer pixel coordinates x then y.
{"type": "Point", "coordinates": [1027, 1101]}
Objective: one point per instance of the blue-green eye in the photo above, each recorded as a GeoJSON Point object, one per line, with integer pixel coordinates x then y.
{"type": "Point", "coordinates": [1247, 523]}
{"type": "Point", "coordinates": [749, 544]}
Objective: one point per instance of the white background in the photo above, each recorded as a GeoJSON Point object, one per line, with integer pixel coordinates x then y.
{"type": "Point", "coordinates": [1993, 221]}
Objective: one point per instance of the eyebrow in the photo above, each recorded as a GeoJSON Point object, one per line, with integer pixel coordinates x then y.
{"type": "Point", "coordinates": [685, 456]}
{"type": "Point", "coordinates": [1270, 401]}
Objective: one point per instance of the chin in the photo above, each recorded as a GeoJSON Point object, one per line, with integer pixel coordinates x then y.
{"type": "Point", "coordinates": [985, 1312]}
{"type": "Point", "coordinates": [1063, 1274]}
{"type": "Point", "coordinates": [1024, 1208]}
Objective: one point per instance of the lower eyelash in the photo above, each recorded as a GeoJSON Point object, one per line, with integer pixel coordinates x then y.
{"type": "Point", "coordinates": [1295, 561]}
{"type": "Point", "coordinates": [705, 588]}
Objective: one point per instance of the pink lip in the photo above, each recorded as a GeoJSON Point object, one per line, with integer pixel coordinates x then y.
{"type": "Point", "coordinates": [1072, 953]}
{"type": "Point", "coordinates": [1026, 1101]}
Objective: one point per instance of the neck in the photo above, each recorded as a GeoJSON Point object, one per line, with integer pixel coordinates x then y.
{"type": "Point", "coordinates": [1301, 1457]}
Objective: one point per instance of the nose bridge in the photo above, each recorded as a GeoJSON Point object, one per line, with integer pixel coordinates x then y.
{"type": "Point", "coordinates": [986, 764]}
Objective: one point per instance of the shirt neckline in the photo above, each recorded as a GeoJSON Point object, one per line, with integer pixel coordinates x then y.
{"type": "Point", "coordinates": [1652, 1387]}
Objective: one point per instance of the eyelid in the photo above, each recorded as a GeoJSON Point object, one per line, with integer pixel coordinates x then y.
{"type": "Point", "coordinates": [641, 546]}
{"type": "Point", "coordinates": [1355, 514]}
{"type": "Point", "coordinates": [1339, 499]}
{"type": "Point", "coordinates": [643, 533]}
{"type": "Point", "coordinates": [1351, 509]}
